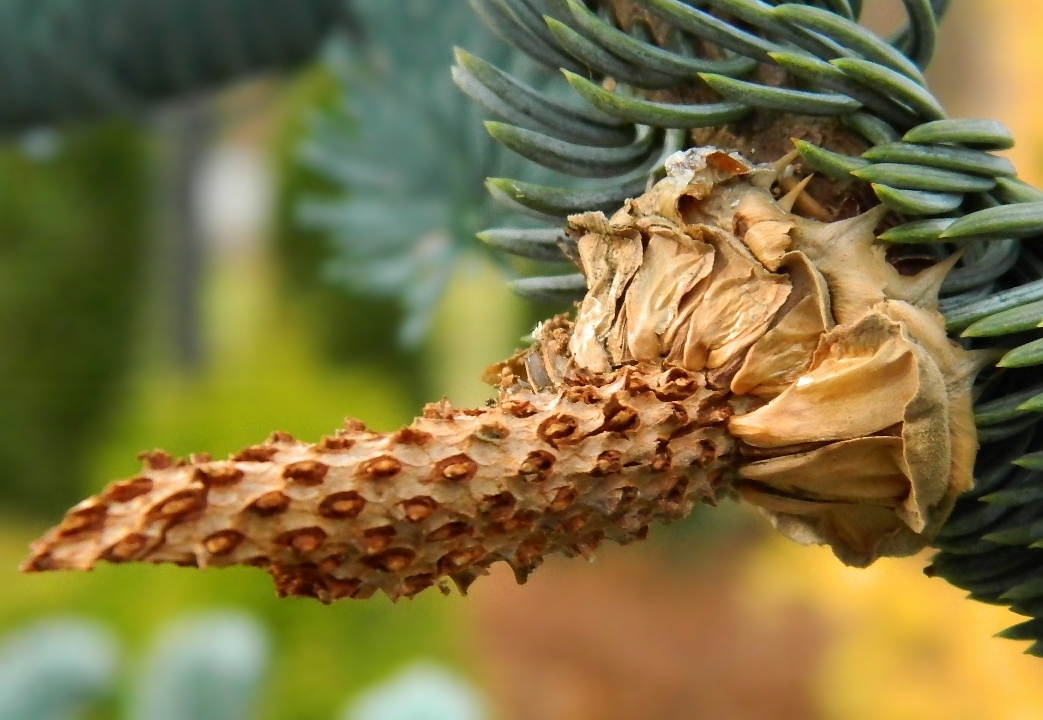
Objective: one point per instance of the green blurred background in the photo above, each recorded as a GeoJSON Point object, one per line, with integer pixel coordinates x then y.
{"type": "Point", "coordinates": [157, 289]}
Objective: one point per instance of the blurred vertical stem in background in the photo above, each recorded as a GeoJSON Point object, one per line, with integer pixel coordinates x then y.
{"type": "Point", "coordinates": [185, 130]}
{"type": "Point", "coordinates": [72, 244]}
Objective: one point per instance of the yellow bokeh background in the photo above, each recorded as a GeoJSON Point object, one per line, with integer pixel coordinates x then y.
{"type": "Point", "coordinates": [904, 646]}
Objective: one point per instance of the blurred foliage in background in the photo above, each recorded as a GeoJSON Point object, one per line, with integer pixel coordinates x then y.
{"type": "Point", "coordinates": [84, 388]}
{"type": "Point", "coordinates": [202, 667]}
{"type": "Point", "coordinates": [350, 327]}
{"type": "Point", "coordinates": [405, 158]}
{"type": "Point", "coordinates": [73, 233]}
{"type": "Point", "coordinates": [62, 60]}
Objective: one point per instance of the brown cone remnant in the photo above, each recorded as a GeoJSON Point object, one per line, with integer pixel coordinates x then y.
{"type": "Point", "coordinates": [385, 515]}
{"type": "Point", "coordinates": [725, 346]}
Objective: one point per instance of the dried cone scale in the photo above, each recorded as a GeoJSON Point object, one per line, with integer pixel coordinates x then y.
{"type": "Point", "coordinates": [726, 346]}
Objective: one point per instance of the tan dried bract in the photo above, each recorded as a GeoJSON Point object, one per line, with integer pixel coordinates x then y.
{"type": "Point", "coordinates": [849, 381]}
{"type": "Point", "coordinates": [726, 346]}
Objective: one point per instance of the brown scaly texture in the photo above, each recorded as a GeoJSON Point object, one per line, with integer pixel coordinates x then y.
{"type": "Point", "coordinates": [726, 346]}
{"type": "Point", "coordinates": [442, 499]}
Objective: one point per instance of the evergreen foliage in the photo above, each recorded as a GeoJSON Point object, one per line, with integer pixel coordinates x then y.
{"type": "Point", "coordinates": [936, 173]}
{"type": "Point", "coordinates": [350, 327]}
{"type": "Point", "coordinates": [68, 59]}
{"type": "Point", "coordinates": [403, 149]}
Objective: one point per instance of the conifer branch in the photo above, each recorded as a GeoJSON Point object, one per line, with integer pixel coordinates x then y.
{"type": "Point", "coordinates": [726, 346]}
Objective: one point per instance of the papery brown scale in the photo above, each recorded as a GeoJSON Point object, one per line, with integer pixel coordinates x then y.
{"type": "Point", "coordinates": [130, 547]}
{"type": "Point", "coordinates": [123, 492]}
{"type": "Point", "coordinates": [498, 507]}
{"type": "Point", "coordinates": [715, 319]}
{"type": "Point", "coordinates": [179, 506]}
{"type": "Point", "coordinates": [303, 540]}
{"type": "Point", "coordinates": [218, 476]}
{"type": "Point", "coordinates": [451, 531]}
{"type": "Point", "coordinates": [419, 509]}
{"type": "Point", "coordinates": [271, 503]}
{"type": "Point", "coordinates": [306, 472]}
{"type": "Point", "coordinates": [88, 519]}
{"type": "Point", "coordinates": [558, 430]}
{"type": "Point", "coordinates": [537, 465]}
{"type": "Point", "coordinates": [335, 444]}
{"type": "Point", "coordinates": [457, 468]}
{"type": "Point", "coordinates": [391, 561]}
{"type": "Point", "coordinates": [257, 453]}
{"type": "Point", "coordinates": [411, 436]}
{"type": "Point", "coordinates": [223, 542]}
{"type": "Point", "coordinates": [156, 460]}
{"type": "Point", "coordinates": [381, 468]}
{"type": "Point", "coordinates": [342, 506]}
{"type": "Point", "coordinates": [377, 539]}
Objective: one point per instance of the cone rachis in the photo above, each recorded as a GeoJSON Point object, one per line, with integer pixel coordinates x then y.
{"type": "Point", "coordinates": [725, 346]}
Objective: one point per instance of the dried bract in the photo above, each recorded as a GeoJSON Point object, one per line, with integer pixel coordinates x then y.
{"type": "Point", "coordinates": [851, 385]}
{"type": "Point", "coordinates": [726, 345]}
